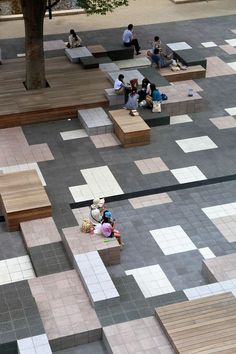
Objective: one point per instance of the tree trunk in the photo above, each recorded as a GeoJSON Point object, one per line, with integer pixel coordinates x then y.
{"type": "Point", "coordinates": [33, 13]}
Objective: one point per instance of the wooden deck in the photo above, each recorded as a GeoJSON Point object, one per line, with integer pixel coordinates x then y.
{"type": "Point", "coordinates": [202, 326]}
{"type": "Point", "coordinates": [71, 88]}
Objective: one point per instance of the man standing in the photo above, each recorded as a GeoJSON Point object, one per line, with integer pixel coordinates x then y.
{"type": "Point", "coordinates": [129, 40]}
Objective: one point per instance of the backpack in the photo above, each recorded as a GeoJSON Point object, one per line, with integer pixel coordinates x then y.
{"type": "Point", "coordinates": [164, 97]}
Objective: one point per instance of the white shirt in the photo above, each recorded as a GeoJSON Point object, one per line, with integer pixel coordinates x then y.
{"type": "Point", "coordinates": [127, 36]}
{"type": "Point", "coordinates": [118, 84]}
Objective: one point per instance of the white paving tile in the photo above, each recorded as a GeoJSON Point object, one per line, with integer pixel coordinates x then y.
{"type": "Point", "coordinates": [231, 111]}
{"type": "Point", "coordinates": [219, 211]}
{"type": "Point", "coordinates": [206, 252]}
{"type": "Point", "coordinates": [172, 240]}
{"type": "Point", "coordinates": [196, 144]}
{"type": "Point", "coordinates": [209, 44]}
{"type": "Point", "coordinates": [25, 167]}
{"type": "Point", "coordinates": [34, 345]}
{"type": "Point", "coordinates": [211, 289]}
{"type": "Point", "coordinates": [188, 174]}
{"type": "Point", "coordinates": [151, 280]}
{"type": "Point", "coordinates": [184, 118]}
{"type": "Point", "coordinates": [179, 46]}
{"type": "Point", "coordinates": [100, 183]}
{"type": "Point", "coordinates": [74, 134]}
{"type": "Point", "coordinates": [15, 269]}
{"type": "Point", "coordinates": [231, 42]}
{"type": "Point", "coordinates": [233, 65]}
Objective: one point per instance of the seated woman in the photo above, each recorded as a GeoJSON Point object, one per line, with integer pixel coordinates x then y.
{"type": "Point", "coordinates": [155, 96]}
{"type": "Point", "coordinates": [145, 90]}
{"type": "Point", "coordinates": [132, 103]}
{"type": "Point", "coordinates": [108, 227]}
{"type": "Point", "coordinates": [121, 88]}
{"type": "Point", "coordinates": [156, 44]}
{"type": "Point", "coordinates": [74, 40]}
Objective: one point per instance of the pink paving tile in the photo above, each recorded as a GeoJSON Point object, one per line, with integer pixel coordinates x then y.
{"type": "Point", "coordinates": [65, 289]}
{"type": "Point", "coordinates": [217, 67]}
{"type": "Point", "coordinates": [41, 152]}
{"type": "Point", "coordinates": [150, 200]}
{"type": "Point", "coordinates": [153, 165]}
{"type": "Point", "coordinates": [228, 49]}
{"type": "Point", "coordinates": [105, 140]}
{"type": "Point", "coordinates": [225, 122]}
{"type": "Point", "coordinates": [39, 232]}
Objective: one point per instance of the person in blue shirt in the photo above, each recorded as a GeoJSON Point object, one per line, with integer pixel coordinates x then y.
{"type": "Point", "coordinates": [158, 59]}
{"type": "Point", "coordinates": [155, 96]}
{"type": "Point", "coordinates": [129, 40]}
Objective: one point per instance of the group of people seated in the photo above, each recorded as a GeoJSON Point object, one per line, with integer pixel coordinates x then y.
{"type": "Point", "coordinates": [103, 221]}
{"type": "Point", "coordinates": [147, 94]}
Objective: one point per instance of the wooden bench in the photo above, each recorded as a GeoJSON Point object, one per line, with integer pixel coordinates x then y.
{"type": "Point", "coordinates": [204, 325]}
{"type": "Point", "coordinates": [192, 72]}
{"type": "Point", "coordinates": [131, 131]}
{"type": "Point", "coordinates": [23, 198]}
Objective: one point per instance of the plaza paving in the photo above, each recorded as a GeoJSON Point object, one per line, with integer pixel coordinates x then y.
{"type": "Point", "coordinates": [174, 200]}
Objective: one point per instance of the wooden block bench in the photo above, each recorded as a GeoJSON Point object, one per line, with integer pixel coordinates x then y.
{"type": "Point", "coordinates": [190, 57]}
{"type": "Point", "coordinates": [131, 131]}
{"type": "Point", "coordinates": [119, 51]}
{"type": "Point", "coordinates": [24, 205]}
{"type": "Point", "coordinates": [78, 242]}
{"type": "Point", "coordinates": [220, 268]}
{"type": "Point", "coordinates": [97, 50]}
{"type": "Point", "coordinates": [23, 198]}
{"type": "Point", "coordinates": [204, 325]}
{"type": "Point", "coordinates": [192, 72]}
{"type": "Point", "coordinates": [113, 98]}
{"type": "Point", "coordinates": [75, 54]}
{"type": "Point", "coordinates": [154, 119]}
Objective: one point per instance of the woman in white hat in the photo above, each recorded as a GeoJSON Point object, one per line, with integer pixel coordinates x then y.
{"type": "Point", "coordinates": [96, 209]}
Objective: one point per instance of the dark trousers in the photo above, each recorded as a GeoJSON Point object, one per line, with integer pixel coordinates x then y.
{"type": "Point", "coordinates": [135, 43]}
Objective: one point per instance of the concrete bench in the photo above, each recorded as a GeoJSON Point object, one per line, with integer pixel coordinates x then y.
{"type": "Point", "coordinates": [131, 131]}
{"type": "Point", "coordinates": [89, 62]}
{"type": "Point", "coordinates": [78, 242]}
{"type": "Point", "coordinates": [154, 119]}
{"type": "Point", "coordinates": [97, 51]}
{"type": "Point", "coordinates": [119, 51]}
{"type": "Point", "coordinates": [95, 121]}
{"type": "Point", "coordinates": [220, 268]}
{"type": "Point", "coordinates": [75, 54]}
{"type": "Point", "coordinates": [113, 98]}
{"type": "Point", "coordinates": [154, 76]}
{"type": "Point", "coordinates": [128, 75]}
{"type": "Point", "coordinates": [192, 72]}
{"type": "Point", "coordinates": [190, 57]}
{"type": "Point", "coordinates": [96, 278]}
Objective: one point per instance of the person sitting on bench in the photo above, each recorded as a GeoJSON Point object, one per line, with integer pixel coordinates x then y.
{"type": "Point", "coordinates": [158, 59]}
{"type": "Point", "coordinates": [129, 40]}
{"type": "Point", "coordinates": [108, 228]}
{"type": "Point", "coordinates": [74, 40]}
{"type": "Point", "coordinates": [121, 88]}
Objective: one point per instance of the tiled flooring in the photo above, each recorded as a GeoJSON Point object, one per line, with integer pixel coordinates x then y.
{"type": "Point", "coordinates": [219, 211]}
{"type": "Point", "coordinates": [105, 140]}
{"type": "Point", "coordinates": [15, 269]}
{"type": "Point", "coordinates": [211, 289]}
{"type": "Point", "coordinates": [150, 200]}
{"type": "Point", "coordinates": [179, 46]}
{"type": "Point", "coordinates": [231, 42]}
{"type": "Point", "coordinates": [206, 252]}
{"type": "Point", "coordinates": [196, 144]}
{"type": "Point", "coordinates": [225, 122]}
{"type": "Point", "coordinates": [180, 119]}
{"type": "Point", "coordinates": [188, 174]}
{"type": "Point", "coordinates": [172, 240]}
{"type": "Point", "coordinates": [74, 134]}
{"type": "Point", "coordinates": [228, 49]}
{"type": "Point", "coordinates": [100, 183]}
{"type": "Point", "coordinates": [151, 280]}
{"type": "Point", "coordinates": [24, 167]}
{"type": "Point", "coordinates": [209, 44]}
{"type": "Point", "coordinates": [217, 67]}
{"type": "Point", "coordinates": [232, 65]}
{"type": "Point", "coordinates": [153, 165]}
{"type": "Point", "coordinates": [231, 111]}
